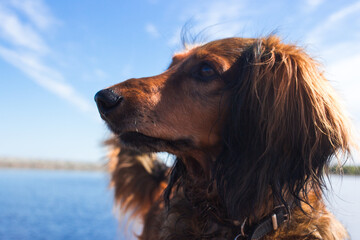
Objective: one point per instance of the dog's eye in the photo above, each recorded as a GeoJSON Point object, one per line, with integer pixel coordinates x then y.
{"type": "Point", "coordinates": [206, 72]}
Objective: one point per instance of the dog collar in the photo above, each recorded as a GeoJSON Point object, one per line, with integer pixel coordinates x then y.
{"type": "Point", "coordinates": [269, 223]}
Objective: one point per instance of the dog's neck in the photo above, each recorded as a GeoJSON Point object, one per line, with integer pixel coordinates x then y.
{"type": "Point", "coordinates": [199, 162]}
{"type": "Point", "coordinates": [199, 179]}
{"type": "Point", "coordinates": [203, 195]}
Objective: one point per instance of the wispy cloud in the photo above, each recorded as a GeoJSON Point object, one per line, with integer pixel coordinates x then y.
{"type": "Point", "coordinates": [22, 24]}
{"type": "Point", "coordinates": [19, 34]}
{"type": "Point", "coordinates": [216, 12]}
{"type": "Point", "coordinates": [217, 18]}
{"type": "Point", "coordinates": [337, 42]}
{"type": "Point", "coordinates": [342, 13]}
{"type": "Point", "coordinates": [318, 34]}
{"type": "Point", "coordinates": [46, 77]}
{"type": "Point", "coordinates": [152, 30]}
{"type": "Point", "coordinates": [36, 11]}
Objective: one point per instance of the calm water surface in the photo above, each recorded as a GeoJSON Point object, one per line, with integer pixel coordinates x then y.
{"type": "Point", "coordinates": [343, 200]}
{"type": "Point", "coordinates": [39, 204]}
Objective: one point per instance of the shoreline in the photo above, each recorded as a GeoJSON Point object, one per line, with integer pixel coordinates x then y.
{"type": "Point", "coordinates": [14, 163]}
{"type": "Point", "coordinates": [17, 163]}
{"type": "Point", "coordinates": [345, 170]}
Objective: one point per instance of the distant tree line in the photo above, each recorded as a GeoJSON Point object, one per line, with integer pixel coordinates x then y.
{"type": "Point", "coordinates": [346, 170]}
{"type": "Point", "coordinates": [51, 164]}
{"type": "Point", "coordinates": [98, 166]}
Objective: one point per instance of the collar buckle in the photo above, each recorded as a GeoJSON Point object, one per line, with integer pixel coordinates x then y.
{"type": "Point", "coordinates": [274, 221]}
{"type": "Point", "coordinates": [279, 216]}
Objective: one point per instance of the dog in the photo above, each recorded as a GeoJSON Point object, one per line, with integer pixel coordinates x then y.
{"type": "Point", "coordinates": [253, 124]}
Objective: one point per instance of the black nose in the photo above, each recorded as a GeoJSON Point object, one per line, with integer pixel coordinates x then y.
{"type": "Point", "coordinates": [107, 100]}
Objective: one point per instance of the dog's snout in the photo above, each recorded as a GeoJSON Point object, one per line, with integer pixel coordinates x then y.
{"type": "Point", "coordinates": [107, 100]}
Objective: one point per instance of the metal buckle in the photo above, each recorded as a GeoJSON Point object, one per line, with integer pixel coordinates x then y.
{"type": "Point", "coordinates": [274, 217]}
{"type": "Point", "coordinates": [286, 216]}
{"type": "Point", "coordinates": [274, 221]}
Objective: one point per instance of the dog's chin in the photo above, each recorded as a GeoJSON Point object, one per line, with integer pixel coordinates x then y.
{"type": "Point", "coordinates": [146, 143]}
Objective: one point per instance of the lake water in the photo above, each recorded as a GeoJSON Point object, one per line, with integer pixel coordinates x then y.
{"type": "Point", "coordinates": [38, 204]}
{"type": "Point", "coordinates": [71, 205]}
{"type": "Point", "coordinates": [344, 202]}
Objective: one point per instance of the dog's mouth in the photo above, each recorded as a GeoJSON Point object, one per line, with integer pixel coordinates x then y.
{"type": "Point", "coordinates": [146, 143]}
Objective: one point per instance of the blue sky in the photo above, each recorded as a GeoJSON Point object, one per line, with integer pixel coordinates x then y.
{"type": "Point", "coordinates": [55, 55]}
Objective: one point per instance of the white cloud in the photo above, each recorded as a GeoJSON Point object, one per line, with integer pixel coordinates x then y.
{"type": "Point", "coordinates": [152, 30]}
{"type": "Point", "coordinates": [217, 19]}
{"type": "Point", "coordinates": [218, 12]}
{"type": "Point", "coordinates": [26, 48]}
{"type": "Point", "coordinates": [38, 13]}
{"type": "Point", "coordinates": [19, 34]}
{"type": "Point", "coordinates": [341, 53]}
{"type": "Point", "coordinates": [319, 33]}
{"type": "Point", "coordinates": [342, 13]}
{"type": "Point", "coordinates": [46, 77]}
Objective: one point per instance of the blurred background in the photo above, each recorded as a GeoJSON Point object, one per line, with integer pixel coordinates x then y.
{"type": "Point", "coordinates": [55, 55]}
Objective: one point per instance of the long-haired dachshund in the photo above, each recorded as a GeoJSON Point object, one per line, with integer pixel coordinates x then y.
{"type": "Point", "coordinates": [253, 125]}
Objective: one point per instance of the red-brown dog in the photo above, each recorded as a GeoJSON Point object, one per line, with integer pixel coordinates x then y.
{"type": "Point", "coordinates": [253, 124]}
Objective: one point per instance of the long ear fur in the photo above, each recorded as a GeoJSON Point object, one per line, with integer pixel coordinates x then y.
{"type": "Point", "coordinates": [284, 125]}
{"type": "Point", "coordinates": [138, 178]}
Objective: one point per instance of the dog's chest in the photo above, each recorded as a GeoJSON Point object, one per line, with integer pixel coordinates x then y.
{"type": "Point", "coordinates": [184, 221]}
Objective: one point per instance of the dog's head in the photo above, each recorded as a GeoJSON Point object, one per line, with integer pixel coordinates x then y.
{"type": "Point", "coordinates": [254, 114]}
{"type": "Point", "coordinates": [180, 111]}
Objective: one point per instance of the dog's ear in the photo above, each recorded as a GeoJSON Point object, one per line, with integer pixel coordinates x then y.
{"type": "Point", "coordinates": [138, 178]}
{"type": "Point", "coordinates": [283, 126]}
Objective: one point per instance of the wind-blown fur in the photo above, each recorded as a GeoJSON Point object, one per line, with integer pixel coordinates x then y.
{"type": "Point", "coordinates": [138, 178]}
{"type": "Point", "coordinates": [272, 123]}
